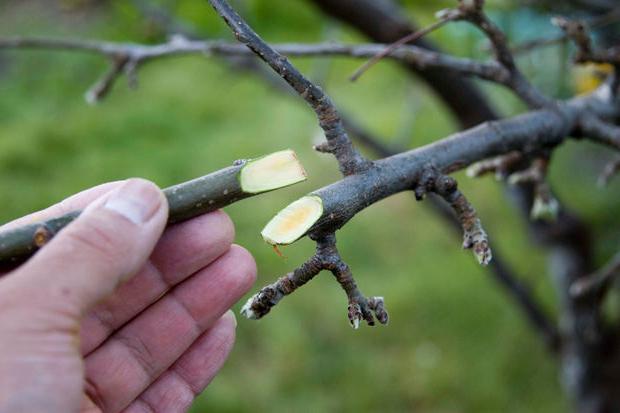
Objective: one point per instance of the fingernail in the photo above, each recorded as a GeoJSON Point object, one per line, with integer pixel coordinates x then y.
{"type": "Point", "coordinates": [137, 200]}
{"type": "Point", "coordinates": [231, 314]}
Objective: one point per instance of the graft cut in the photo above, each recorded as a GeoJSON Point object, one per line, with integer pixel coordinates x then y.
{"type": "Point", "coordinates": [272, 171]}
{"type": "Point", "coordinates": [294, 221]}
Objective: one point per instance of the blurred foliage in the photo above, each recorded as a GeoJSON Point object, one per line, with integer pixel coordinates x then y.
{"type": "Point", "coordinates": [454, 344]}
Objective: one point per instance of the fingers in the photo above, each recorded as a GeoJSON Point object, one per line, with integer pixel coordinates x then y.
{"type": "Point", "coordinates": [175, 390]}
{"type": "Point", "coordinates": [108, 243]}
{"type": "Point", "coordinates": [184, 249]}
{"type": "Point", "coordinates": [130, 360]}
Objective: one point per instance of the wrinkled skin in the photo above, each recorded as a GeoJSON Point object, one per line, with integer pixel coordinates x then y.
{"type": "Point", "coordinates": [118, 313]}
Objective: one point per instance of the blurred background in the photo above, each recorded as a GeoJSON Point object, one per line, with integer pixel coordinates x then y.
{"type": "Point", "coordinates": [454, 342]}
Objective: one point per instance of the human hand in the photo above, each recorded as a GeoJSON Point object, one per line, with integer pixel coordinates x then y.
{"type": "Point", "coordinates": [116, 314]}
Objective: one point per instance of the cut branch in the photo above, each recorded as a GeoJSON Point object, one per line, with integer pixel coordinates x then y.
{"type": "Point", "coordinates": [199, 196]}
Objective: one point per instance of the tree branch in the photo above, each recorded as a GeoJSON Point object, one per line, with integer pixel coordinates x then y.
{"type": "Point", "coordinates": [121, 53]}
{"type": "Point", "coordinates": [474, 236]}
{"type": "Point", "coordinates": [536, 130]}
{"type": "Point", "coordinates": [601, 131]}
{"type": "Point", "coordinates": [411, 37]}
{"type": "Point", "coordinates": [597, 22]}
{"type": "Point", "coordinates": [326, 257]}
{"type": "Point", "coordinates": [497, 269]}
{"type": "Point", "coordinates": [473, 12]}
{"type": "Point", "coordinates": [384, 22]}
{"type": "Point", "coordinates": [338, 143]}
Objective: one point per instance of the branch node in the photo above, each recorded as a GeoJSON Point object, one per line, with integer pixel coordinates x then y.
{"type": "Point", "coordinates": [101, 88]}
{"type": "Point", "coordinates": [377, 305]}
{"type": "Point", "coordinates": [474, 236]}
{"type": "Point", "coordinates": [326, 257]}
{"type": "Point", "coordinates": [501, 166]}
{"type": "Point", "coordinates": [323, 147]}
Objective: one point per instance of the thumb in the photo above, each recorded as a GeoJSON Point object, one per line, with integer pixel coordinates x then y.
{"type": "Point", "coordinates": [106, 244]}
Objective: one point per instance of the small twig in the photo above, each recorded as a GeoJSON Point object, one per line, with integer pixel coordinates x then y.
{"type": "Point", "coordinates": [339, 144]}
{"type": "Point", "coordinates": [545, 206]}
{"type": "Point", "coordinates": [100, 89]}
{"type": "Point", "coordinates": [501, 166]}
{"type": "Point", "coordinates": [473, 12]}
{"type": "Point", "coordinates": [599, 282]}
{"type": "Point", "coordinates": [578, 32]}
{"type": "Point", "coordinates": [474, 236]}
{"type": "Point", "coordinates": [261, 303]}
{"type": "Point", "coordinates": [326, 257]}
{"type": "Point", "coordinates": [595, 23]}
{"type": "Point", "coordinates": [515, 288]}
{"type": "Point", "coordinates": [538, 43]}
{"type": "Point", "coordinates": [411, 37]}
{"type": "Point", "coordinates": [179, 46]}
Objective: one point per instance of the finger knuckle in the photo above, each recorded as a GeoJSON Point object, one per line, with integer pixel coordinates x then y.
{"type": "Point", "coordinates": [95, 240]}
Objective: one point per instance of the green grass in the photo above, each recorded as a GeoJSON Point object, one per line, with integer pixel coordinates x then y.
{"type": "Point", "coordinates": [454, 343]}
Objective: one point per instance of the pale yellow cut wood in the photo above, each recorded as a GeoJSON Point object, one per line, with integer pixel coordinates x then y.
{"type": "Point", "coordinates": [272, 171]}
{"type": "Point", "coordinates": [293, 221]}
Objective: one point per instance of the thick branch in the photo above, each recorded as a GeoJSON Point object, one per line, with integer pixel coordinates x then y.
{"type": "Point", "coordinates": [498, 270]}
{"type": "Point", "coordinates": [537, 130]}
